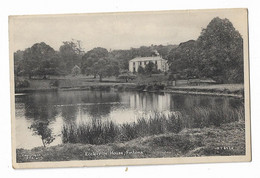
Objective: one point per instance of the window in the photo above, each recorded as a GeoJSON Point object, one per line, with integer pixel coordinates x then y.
{"type": "Point", "coordinates": [133, 63]}
{"type": "Point", "coordinates": [155, 62]}
{"type": "Point", "coordinates": [140, 63]}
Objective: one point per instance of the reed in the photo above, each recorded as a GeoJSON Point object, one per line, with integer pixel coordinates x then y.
{"type": "Point", "coordinates": [102, 132]}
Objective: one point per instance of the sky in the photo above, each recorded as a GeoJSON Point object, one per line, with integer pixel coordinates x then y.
{"type": "Point", "coordinates": [117, 30]}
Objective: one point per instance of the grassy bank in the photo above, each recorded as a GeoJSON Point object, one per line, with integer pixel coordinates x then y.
{"type": "Point", "coordinates": [228, 139]}
{"type": "Point", "coordinates": [219, 89]}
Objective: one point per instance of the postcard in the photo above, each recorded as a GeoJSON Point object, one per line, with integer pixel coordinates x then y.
{"type": "Point", "coordinates": [130, 88]}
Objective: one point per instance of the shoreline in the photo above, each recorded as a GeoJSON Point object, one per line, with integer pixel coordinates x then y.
{"type": "Point", "coordinates": [191, 90]}
{"type": "Point", "coordinates": [204, 93]}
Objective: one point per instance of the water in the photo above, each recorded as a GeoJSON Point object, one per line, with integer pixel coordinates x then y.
{"type": "Point", "coordinates": [58, 108]}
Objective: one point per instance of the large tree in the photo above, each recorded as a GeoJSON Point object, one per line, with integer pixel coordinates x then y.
{"type": "Point", "coordinates": [182, 59]}
{"type": "Point", "coordinates": [99, 62]}
{"type": "Point", "coordinates": [40, 59]}
{"type": "Point", "coordinates": [91, 58]}
{"type": "Point", "coordinates": [71, 53]}
{"type": "Point", "coordinates": [220, 51]}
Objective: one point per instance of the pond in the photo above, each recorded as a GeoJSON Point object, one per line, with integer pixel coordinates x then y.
{"type": "Point", "coordinates": [65, 107]}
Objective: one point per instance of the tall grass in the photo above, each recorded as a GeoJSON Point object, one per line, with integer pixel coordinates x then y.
{"type": "Point", "coordinates": [100, 132]}
{"type": "Point", "coordinates": [96, 133]}
{"type": "Point", "coordinates": [200, 117]}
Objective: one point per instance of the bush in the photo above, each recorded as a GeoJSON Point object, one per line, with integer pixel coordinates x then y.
{"type": "Point", "coordinates": [54, 83]}
{"type": "Point", "coordinates": [120, 88]}
{"type": "Point", "coordinates": [171, 77]}
{"type": "Point", "coordinates": [140, 87]}
{"type": "Point", "coordinates": [158, 86]}
{"type": "Point", "coordinates": [149, 88]}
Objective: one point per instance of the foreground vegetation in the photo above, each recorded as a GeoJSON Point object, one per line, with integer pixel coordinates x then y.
{"type": "Point", "coordinates": [228, 139]}
{"type": "Point", "coordinates": [101, 132]}
{"type": "Point", "coordinates": [98, 132]}
{"type": "Point", "coordinates": [200, 132]}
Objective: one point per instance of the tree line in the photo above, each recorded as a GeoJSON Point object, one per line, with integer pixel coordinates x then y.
{"type": "Point", "coordinates": [42, 60]}
{"type": "Point", "coordinates": [217, 54]}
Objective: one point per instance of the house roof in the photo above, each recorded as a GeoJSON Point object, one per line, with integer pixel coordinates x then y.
{"type": "Point", "coordinates": [152, 58]}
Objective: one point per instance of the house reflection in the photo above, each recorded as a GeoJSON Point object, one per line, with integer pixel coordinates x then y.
{"type": "Point", "coordinates": [150, 102]}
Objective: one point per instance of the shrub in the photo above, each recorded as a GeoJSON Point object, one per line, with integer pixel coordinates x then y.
{"type": "Point", "coordinates": [158, 86]}
{"type": "Point", "coordinates": [149, 88]}
{"type": "Point", "coordinates": [54, 83]}
{"type": "Point", "coordinates": [140, 87]}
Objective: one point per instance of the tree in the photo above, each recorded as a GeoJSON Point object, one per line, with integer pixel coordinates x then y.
{"type": "Point", "coordinates": [149, 68]}
{"type": "Point", "coordinates": [71, 53]}
{"type": "Point", "coordinates": [126, 75]}
{"type": "Point", "coordinates": [40, 59]}
{"type": "Point", "coordinates": [91, 58]}
{"type": "Point", "coordinates": [99, 61]}
{"type": "Point", "coordinates": [140, 70]}
{"type": "Point", "coordinates": [217, 54]}
{"type": "Point", "coordinates": [41, 128]}
{"type": "Point", "coordinates": [18, 59]}
{"type": "Point", "coordinates": [75, 70]}
{"type": "Point", "coordinates": [164, 50]}
{"type": "Point", "coordinates": [182, 59]}
{"type": "Point", "coordinates": [100, 68]}
{"type": "Point", "coordinates": [112, 67]}
{"type": "Point", "coordinates": [122, 57]}
{"type": "Point", "coordinates": [220, 51]}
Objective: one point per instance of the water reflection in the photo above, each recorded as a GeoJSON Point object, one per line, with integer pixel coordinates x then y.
{"type": "Point", "coordinates": [150, 101]}
{"type": "Point", "coordinates": [40, 116]}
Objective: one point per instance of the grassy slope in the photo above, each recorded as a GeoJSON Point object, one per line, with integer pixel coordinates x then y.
{"type": "Point", "coordinates": [229, 139]}
{"type": "Point", "coordinates": [220, 87]}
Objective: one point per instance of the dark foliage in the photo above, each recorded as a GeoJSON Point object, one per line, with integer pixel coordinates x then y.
{"type": "Point", "coordinates": [217, 54]}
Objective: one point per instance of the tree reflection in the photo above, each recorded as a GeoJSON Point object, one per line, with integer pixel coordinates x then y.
{"type": "Point", "coordinates": [40, 111]}
{"type": "Point", "coordinates": [98, 110]}
{"type": "Point", "coordinates": [39, 107]}
{"type": "Point", "coordinates": [100, 103]}
{"type": "Point", "coordinates": [69, 113]}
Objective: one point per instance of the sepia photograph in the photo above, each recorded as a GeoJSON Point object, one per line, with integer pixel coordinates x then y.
{"type": "Point", "coordinates": [130, 88]}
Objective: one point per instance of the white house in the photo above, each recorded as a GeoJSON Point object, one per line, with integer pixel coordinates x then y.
{"type": "Point", "coordinates": [143, 61]}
